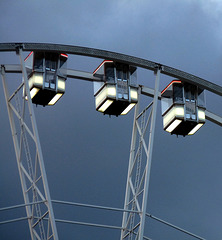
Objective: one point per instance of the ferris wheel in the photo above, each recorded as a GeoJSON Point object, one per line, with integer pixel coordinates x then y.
{"type": "Point", "coordinates": [116, 92]}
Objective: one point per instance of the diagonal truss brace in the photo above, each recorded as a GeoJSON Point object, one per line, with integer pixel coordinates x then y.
{"type": "Point", "coordinates": [30, 160]}
{"type": "Point", "coordinates": [137, 187]}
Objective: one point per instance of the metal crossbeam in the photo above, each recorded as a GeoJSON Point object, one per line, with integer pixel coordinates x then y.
{"type": "Point", "coordinates": [92, 224]}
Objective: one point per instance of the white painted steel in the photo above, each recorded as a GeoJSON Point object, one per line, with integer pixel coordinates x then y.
{"type": "Point", "coordinates": [137, 189]}
{"type": "Point", "coordinates": [17, 152]}
{"type": "Point", "coordinates": [126, 214]}
{"type": "Point", "coordinates": [149, 155]}
{"type": "Point", "coordinates": [39, 156]}
{"type": "Point", "coordinates": [29, 169]}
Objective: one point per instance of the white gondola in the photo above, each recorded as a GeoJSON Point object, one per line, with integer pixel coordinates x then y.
{"type": "Point", "coordinates": [46, 76]}
{"type": "Point", "coordinates": [183, 108]}
{"type": "Point", "coordinates": [118, 94]}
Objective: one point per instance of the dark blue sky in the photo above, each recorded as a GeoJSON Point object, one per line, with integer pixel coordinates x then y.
{"type": "Point", "coordinates": [86, 153]}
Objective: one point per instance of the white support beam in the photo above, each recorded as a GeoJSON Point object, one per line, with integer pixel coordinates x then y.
{"type": "Point", "coordinates": [213, 118]}
{"type": "Point", "coordinates": [51, 226]}
{"type": "Point", "coordinates": [83, 75]}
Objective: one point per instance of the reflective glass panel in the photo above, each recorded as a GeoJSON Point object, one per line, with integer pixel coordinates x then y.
{"type": "Point", "coordinates": [178, 93]}
{"type": "Point", "coordinates": [109, 73]}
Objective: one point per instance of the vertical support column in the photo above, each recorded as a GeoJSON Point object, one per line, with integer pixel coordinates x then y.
{"type": "Point", "coordinates": [30, 159]}
{"type": "Point", "coordinates": [138, 178]}
{"type": "Point", "coordinates": [130, 167]}
{"type": "Point", "coordinates": [17, 152]}
{"type": "Point", "coordinates": [150, 154]}
{"type": "Point", "coordinates": [39, 151]}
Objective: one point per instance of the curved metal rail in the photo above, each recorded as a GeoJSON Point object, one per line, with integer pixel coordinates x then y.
{"type": "Point", "coordinates": [98, 53]}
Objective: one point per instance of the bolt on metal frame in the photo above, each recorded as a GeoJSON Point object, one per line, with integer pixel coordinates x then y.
{"type": "Point", "coordinates": [32, 172]}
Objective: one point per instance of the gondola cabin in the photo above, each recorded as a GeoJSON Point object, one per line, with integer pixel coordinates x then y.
{"type": "Point", "coordinates": [118, 94]}
{"type": "Point", "coordinates": [46, 76]}
{"type": "Point", "coordinates": [183, 108]}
